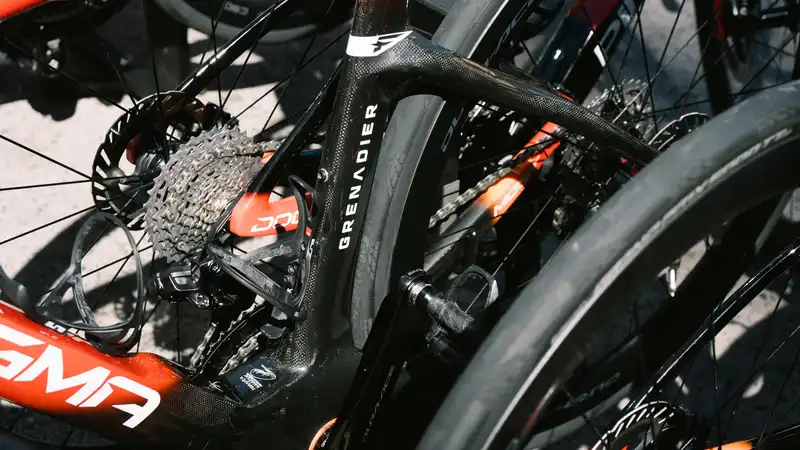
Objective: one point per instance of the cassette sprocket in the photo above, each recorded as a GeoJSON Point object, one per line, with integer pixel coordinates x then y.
{"type": "Point", "coordinates": [195, 187]}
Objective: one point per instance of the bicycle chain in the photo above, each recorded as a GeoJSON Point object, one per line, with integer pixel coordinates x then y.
{"type": "Point", "coordinates": [241, 355]}
{"type": "Point", "coordinates": [505, 166]}
{"type": "Point", "coordinates": [508, 163]}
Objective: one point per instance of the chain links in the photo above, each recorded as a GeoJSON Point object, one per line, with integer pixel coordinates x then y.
{"type": "Point", "coordinates": [505, 166]}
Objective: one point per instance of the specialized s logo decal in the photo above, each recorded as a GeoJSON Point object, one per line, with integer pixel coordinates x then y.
{"type": "Point", "coordinates": [367, 46]}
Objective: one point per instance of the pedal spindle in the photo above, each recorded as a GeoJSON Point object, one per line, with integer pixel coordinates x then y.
{"type": "Point", "coordinates": [422, 294]}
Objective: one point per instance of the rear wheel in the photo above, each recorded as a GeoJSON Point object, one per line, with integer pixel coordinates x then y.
{"type": "Point", "coordinates": [527, 365]}
{"type": "Point", "coordinates": [109, 154]}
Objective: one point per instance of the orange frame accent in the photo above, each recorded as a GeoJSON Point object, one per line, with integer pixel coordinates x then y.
{"type": "Point", "coordinates": [22, 346]}
{"type": "Point", "coordinates": [501, 195]}
{"type": "Point", "coordinates": [9, 8]}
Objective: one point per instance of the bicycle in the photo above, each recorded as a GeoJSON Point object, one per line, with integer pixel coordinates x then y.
{"type": "Point", "coordinates": [747, 165]}
{"type": "Point", "coordinates": [312, 332]}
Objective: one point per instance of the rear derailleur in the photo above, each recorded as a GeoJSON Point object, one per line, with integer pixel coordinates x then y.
{"type": "Point", "coordinates": [281, 289]}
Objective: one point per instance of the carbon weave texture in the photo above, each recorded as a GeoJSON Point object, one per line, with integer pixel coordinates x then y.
{"type": "Point", "coordinates": [200, 408]}
{"type": "Point", "coordinates": [416, 56]}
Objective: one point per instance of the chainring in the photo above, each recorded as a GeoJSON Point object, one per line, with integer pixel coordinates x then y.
{"type": "Point", "coordinates": [196, 186]}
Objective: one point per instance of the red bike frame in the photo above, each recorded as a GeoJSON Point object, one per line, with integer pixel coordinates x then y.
{"type": "Point", "coordinates": [10, 8]}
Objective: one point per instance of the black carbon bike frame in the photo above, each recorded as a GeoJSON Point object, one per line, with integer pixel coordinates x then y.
{"type": "Point", "coordinates": [385, 62]}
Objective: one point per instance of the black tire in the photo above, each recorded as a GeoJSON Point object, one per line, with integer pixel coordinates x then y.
{"type": "Point", "coordinates": [412, 142]}
{"type": "Point", "coordinates": [740, 159]}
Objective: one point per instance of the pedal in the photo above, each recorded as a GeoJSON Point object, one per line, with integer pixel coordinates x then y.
{"type": "Point", "coordinates": [446, 313]}
{"type": "Point", "coordinates": [479, 295]}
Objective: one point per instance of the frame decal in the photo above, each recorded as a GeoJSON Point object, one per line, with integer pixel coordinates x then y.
{"type": "Point", "coordinates": [369, 46]}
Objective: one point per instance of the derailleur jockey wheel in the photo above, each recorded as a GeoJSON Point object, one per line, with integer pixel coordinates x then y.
{"type": "Point", "coordinates": [139, 143]}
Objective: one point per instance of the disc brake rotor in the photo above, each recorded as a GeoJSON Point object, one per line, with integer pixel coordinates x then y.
{"type": "Point", "coordinates": [146, 135]}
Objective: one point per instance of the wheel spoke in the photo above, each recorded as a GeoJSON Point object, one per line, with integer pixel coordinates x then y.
{"type": "Point", "coordinates": [289, 82]}
{"type": "Point", "coordinates": [662, 69]}
{"type": "Point", "coordinates": [588, 421]}
{"type": "Point", "coordinates": [97, 302]}
{"type": "Point", "coordinates": [671, 34]}
{"type": "Point", "coordinates": [68, 216]}
{"type": "Point", "coordinates": [70, 77]}
{"type": "Point", "coordinates": [519, 208]}
{"type": "Point", "coordinates": [764, 67]}
{"type": "Point", "coordinates": [646, 68]}
{"type": "Point", "coordinates": [751, 371]}
{"type": "Point", "coordinates": [602, 51]}
{"type": "Point", "coordinates": [45, 157]}
{"type": "Point", "coordinates": [515, 246]}
{"type": "Point", "coordinates": [64, 183]}
{"type": "Point", "coordinates": [774, 406]}
{"type": "Point", "coordinates": [107, 47]}
{"type": "Point", "coordinates": [772, 47]}
{"type": "Point", "coordinates": [714, 374]}
{"type": "Point", "coordinates": [104, 266]}
{"type": "Point", "coordinates": [241, 69]}
{"type": "Point", "coordinates": [285, 79]}
{"type": "Point", "coordinates": [178, 331]}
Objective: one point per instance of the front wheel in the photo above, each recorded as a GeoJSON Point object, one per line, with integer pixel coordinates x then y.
{"type": "Point", "coordinates": [730, 175]}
